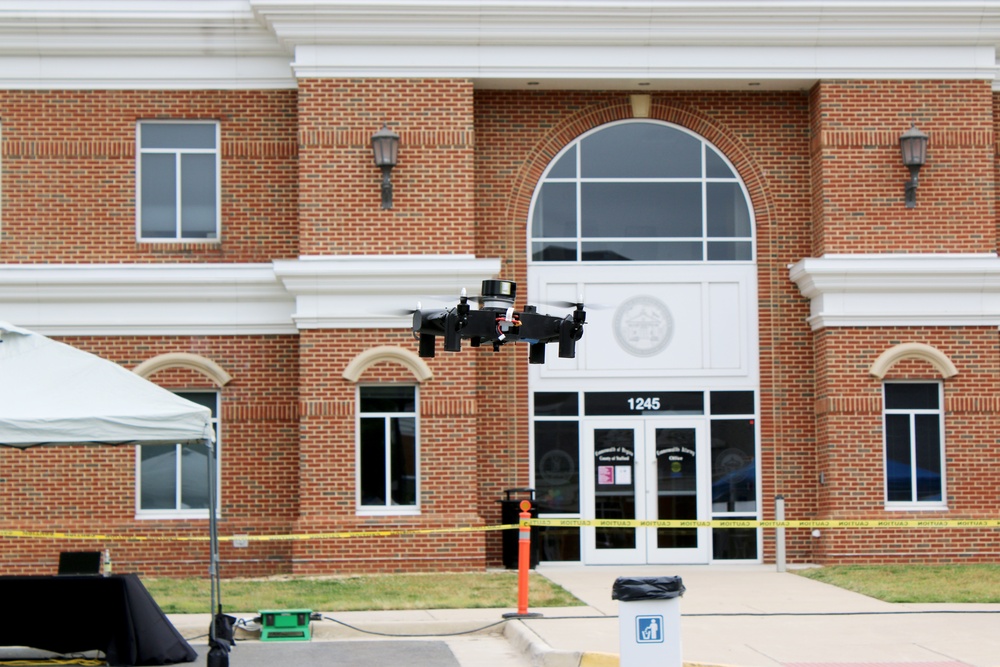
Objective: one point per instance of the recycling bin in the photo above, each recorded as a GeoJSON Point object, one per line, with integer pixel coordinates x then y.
{"type": "Point", "coordinates": [510, 512]}
{"type": "Point", "coordinates": [649, 621]}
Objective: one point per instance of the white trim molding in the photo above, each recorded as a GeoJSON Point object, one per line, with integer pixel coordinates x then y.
{"type": "Point", "coordinates": [900, 290]}
{"type": "Point", "coordinates": [665, 44]}
{"type": "Point", "coordinates": [145, 299]}
{"type": "Point", "coordinates": [234, 299]}
{"type": "Point", "coordinates": [366, 291]}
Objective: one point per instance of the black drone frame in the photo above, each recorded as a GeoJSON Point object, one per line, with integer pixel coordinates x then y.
{"type": "Point", "coordinates": [498, 323]}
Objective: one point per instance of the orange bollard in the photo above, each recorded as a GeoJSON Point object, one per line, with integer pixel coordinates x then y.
{"type": "Point", "coordinates": [523, 564]}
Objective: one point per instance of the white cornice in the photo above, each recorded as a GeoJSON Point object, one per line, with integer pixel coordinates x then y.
{"type": "Point", "coordinates": [660, 67]}
{"type": "Point", "coordinates": [232, 299]}
{"type": "Point", "coordinates": [144, 299]}
{"type": "Point", "coordinates": [375, 291]}
{"type": "Point", "coordinates": [634, 23]}
{"type": "Point", "coordinates": [198, 44]}
{"type": "Point", "coordinates": [900, 290]}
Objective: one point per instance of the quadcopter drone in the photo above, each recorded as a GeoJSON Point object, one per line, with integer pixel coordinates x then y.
{"type": "Point", "coordinates": [498, 323]}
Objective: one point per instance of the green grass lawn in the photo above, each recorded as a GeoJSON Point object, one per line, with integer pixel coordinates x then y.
{"type": "Point", "coordinates": [359, 593]}
{"type": "Point", "coordinates": [914, 583]}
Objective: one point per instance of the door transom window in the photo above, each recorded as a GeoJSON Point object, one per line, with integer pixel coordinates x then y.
{"type": "Point", "coordinates": [640, 191]}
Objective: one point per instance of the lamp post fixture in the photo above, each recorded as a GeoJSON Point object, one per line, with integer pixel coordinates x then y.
{"type": "Point", "coordinates": [385, 150]}
{"type": "Point", "coordinates": [913, 145]}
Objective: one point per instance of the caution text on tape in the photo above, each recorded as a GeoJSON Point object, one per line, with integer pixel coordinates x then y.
{"type": "Point", "coordinates": [524, 523]}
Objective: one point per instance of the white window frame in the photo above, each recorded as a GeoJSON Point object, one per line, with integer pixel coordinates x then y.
{"type": "Point", "coordinates": [178, 512]}
{"type": "Point", "coordinates": [387, 509]}
{"type": "Point", "coordinates": [178, 153]}
{"type": "Point", "coordinates": [705, 239]}
{"type": "Point", "coordinates": [914, 505]}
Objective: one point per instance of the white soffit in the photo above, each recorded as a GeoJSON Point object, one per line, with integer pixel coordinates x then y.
{"type": "Point", "coordinates": [255, 44]}
{"type": "Point", "coordinates": [659, 67]}
{"type": "Point", "coordinates": [900, 290]}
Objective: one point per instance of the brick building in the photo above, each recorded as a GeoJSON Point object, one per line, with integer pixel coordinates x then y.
{"type": "Point", "coordinates": [188, 190]}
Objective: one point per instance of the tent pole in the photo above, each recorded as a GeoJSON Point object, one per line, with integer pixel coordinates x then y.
{"type": "Point", "coordinates": [213, 537]}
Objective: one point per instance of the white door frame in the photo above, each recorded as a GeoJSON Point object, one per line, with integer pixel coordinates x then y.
{"type": "Point", "coordinates": [644, 483]}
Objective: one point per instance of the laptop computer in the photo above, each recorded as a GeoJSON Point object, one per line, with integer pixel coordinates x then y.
{"type": "Point", "coordinates": [80, 562]}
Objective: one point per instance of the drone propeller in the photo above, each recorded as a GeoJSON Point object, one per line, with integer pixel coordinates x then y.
{"type": "Point", "coordinates": [576, 304]}
{"type": "Point", "coordinates": [564, 304]}
{"type": "Point", "coordinates": [401, 312]}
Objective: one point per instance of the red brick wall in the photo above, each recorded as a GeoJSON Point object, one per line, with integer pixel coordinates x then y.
{"type": "Point", "coordinates": [859, 177]}
{"type": "Point", "coordinates": [339, 207]}
{"type": "Point", "coordinates": [69, 175]}
{"type": "Point", "coordinates": [823, 174]}
{"type": "Point", "coordinates": [849, 419]}
{"type": "Point", "coordinates": [328, 461]}
{"type": "Point", "coordinates": [91, 489]}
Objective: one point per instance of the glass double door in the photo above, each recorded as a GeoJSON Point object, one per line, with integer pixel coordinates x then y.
{"type": "Point", "coordinates": [645, 469]}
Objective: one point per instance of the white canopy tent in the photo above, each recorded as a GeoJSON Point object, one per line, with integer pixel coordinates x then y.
{"type": "Point", "coordinates": [55, 394]}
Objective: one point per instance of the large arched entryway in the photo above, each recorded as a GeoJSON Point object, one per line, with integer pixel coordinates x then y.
{"type": "Point", "coordinates": [650, 225]}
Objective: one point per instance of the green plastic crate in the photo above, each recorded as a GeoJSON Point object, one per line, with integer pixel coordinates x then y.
{"type": "Point", "coordinates": [285, 625]}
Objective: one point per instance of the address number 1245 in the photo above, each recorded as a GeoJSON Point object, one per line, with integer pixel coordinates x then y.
{"type": "Point", "coordinates": [641, 403]}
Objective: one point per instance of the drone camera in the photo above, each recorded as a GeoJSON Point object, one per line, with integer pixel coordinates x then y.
{"type": "Point", "coordinates": [498, 294]}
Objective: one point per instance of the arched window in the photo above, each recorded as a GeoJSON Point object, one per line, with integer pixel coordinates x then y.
{"type": "Point", "coordinates": [641, 191]}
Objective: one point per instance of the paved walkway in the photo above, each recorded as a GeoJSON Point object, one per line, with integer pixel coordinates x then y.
{"type": "Point", "coordinates": [740, 616]}
{"type": "Point", "coordinates": [753, 616]}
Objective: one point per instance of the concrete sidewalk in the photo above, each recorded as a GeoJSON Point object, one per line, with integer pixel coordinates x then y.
{"type": "Point", "coordinates": [740, 616]}
{"type": "Point", "coordinates": [753, 616]}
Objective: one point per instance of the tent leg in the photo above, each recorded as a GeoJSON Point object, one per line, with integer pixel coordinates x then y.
{"type": "Point", "coordinates": [218, 655]}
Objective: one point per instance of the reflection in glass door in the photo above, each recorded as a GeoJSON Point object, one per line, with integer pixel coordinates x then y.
{"type": "Point", "coordinates": [613, 483]}
{"type": "Point", "coordinates": [644, 469]}
{"type": "Point", "coordinates": [678, 462]}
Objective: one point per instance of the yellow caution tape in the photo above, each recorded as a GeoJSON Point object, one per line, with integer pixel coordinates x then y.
{"type": "Point", "coordinates": [250, 538]}
{"type": "Point", "coordinates": [751, 523]}
{"type": "Point", "coordinates": [524, 523]}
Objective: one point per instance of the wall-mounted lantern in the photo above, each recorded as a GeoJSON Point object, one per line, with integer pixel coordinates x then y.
{"type": "Point", "coordinates": [913, 145]}
{"type": "Point", "coordinates": [385, 150]}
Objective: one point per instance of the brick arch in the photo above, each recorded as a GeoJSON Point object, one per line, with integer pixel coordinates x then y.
{"type": "Point", "coordinates": [396, 355]}
{"type": "Point", "coordinates": [920, 351]}
{"type": "Point", "coordinates": [567, 131]}
{"type": "Point", "coordinates": [195, 362]}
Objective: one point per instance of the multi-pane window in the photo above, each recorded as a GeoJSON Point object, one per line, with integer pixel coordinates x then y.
{"type": "Point", "coordinates": [914, 443]}
{"type": "Point", "coordinates": [178, 174]}
{"type": "Point", "coordinates": [643, 192]}
{"type": "Point", "coordinates": [173, 479]}
{"type": "Point", "coordinates": [388, 466]}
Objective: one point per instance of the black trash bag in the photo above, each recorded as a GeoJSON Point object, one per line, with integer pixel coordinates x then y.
{"type": "Point", "coordinates": [631, 589]}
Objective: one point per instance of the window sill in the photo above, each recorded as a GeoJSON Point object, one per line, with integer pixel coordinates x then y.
{"type": "Point", "coordinates": [388, 511]}
{"type": "Point", "coordinates": [181, 241]}
{"type": "Point", "coordinates": [172, 515]}
{"type": "Point", "coordinates": [916, 507]}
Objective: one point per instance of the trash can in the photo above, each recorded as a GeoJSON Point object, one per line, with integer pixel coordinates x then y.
{"type": "Point", "coordinates": [649, 621]}
{"type": "Point", "coordinates": [510, 512]}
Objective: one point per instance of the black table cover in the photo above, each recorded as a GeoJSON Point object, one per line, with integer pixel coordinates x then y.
{"type": "Point", "coordinates": [71, 614]}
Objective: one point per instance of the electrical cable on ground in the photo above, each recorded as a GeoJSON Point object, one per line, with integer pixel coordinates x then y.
{"type": "Point", "coordinates": [26, 662]}
{"type": "Point", "coordinates": [443, 634]}
{"type": "Point", "coordinates": [794, 613]}
{"type": "Point", "coordinates": [612, 616]}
